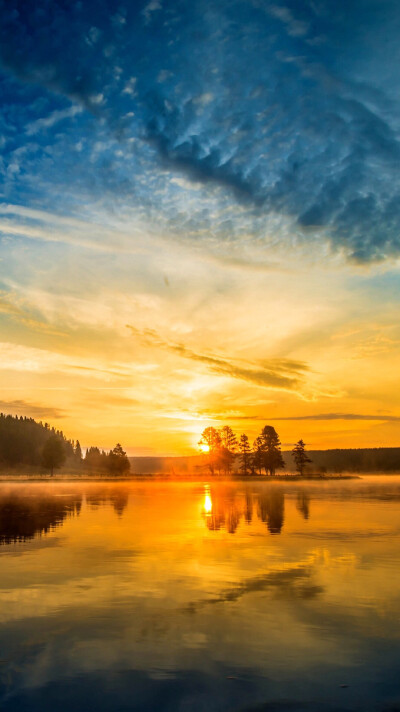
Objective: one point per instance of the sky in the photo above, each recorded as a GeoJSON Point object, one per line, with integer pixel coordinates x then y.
{"type": "Point", "coordinates": [200, 219]}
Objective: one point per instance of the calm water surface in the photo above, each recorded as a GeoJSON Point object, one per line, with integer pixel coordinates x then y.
{"type": "Point", "coordinates": [174, 597]}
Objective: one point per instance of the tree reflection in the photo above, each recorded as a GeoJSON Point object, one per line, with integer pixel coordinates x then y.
{"type": "Point", "coordinates": [225, 508]}
{"type": "Point", "coordinates": [303, 503]}
{"type": "Point", "coordinates": [271, 507]}
{"type": "Point", "coordinates": [101, 496]}
{"type": "Point", "coordinates": [24, 517]}
{"type": "Point", "coordinates": [248, 510]}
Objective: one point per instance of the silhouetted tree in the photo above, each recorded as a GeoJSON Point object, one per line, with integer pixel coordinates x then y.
{"type": "Point", "coordinates": [53, 455]}
{"type": "Point", "coordinates": [118, 462]}
{"type": "Point", "coordinates": [95, 461]}
{"type": "Point", "coordinates": [78, 452]}
{"type": "Point", "coordinates": [257, 460]}
{"type": "Point", "coordinates": [271, 449]}
{"type": "Point", "coordinates": [211, 439]}
{"type": "Point", "coordinates": [22, 440]}
{"type": "Point", "coordinates": [300, 456]}
{"type": "Point", "coordinates": [229, 445]}
{"type": "Point", "coordinates": [228, 438]}
{"type": "Point", "coordinates": [245, 453]}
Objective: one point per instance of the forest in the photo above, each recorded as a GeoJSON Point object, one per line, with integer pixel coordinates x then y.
{"type": "Point", "coordinates": [25, 443]}
{"type": "Point", "coordinates": [225, 452]}
{"type": "Point", "coordinates": [35, 447]}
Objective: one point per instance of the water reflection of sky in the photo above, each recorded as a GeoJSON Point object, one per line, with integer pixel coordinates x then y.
{"type": "Point", "coordinates": [185, 597]}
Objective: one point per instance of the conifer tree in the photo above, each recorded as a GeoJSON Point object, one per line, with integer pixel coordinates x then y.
{"type": "Point", "coordinates": [118, 462]}
{"type": "Point", "coordinates": [53, 455]}
{"type": "Point", "coordinates": [271, 448]}
{"type": "Point", "coordinates": [258, 455]}
{"type": "Point", "coordinates": [300, 456]}
{"type": "Point", "coordinates": [211, 440]}
{"type": "Point", "coordinates": [229, 445]}
{"type": "Point", "coordinates": [78, 452]}
{"type": "Point", "coordinates": [245, 453]}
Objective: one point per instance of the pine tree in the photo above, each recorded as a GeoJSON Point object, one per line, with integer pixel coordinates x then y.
{"type": "Point", "coordinates": [257, 459]}
{"type": "Point", "coordinates": [271, 448]}
{"type": "Point", "coordinates": [229, 447]}
{"type": "Point", "coordinates": [118, 462]}
{"type": "Point", "coordinates": [211, 440]}
{"type": "Point", "coordinates": [53, 455]}
{"type": "Point", "coordinates": [245, 453]}
{"type": "Point", "coordinates": [228, 438]}
{"type": "Point", "coordinates": [78, 452]}
{"type": "Point", "coordinates": [300, 456]}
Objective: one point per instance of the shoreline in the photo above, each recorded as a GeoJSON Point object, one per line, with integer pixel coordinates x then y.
{"type": "Point", "coordinates": [181, 478]}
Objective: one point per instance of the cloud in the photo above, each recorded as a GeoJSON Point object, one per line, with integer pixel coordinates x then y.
{"type": "Point", "coordinates": [30, 410]}
{"type": "Point", "coordinates": [54, 118]}
{"type": "Point", "coordinates": [341, 416]}
{"type": "Point", "coordinates": [285, 108]}
{"type": "Point", "coordinates": [24, 316]}
{"type": "Point", "coordinates": [20, 358]}
{"type": "Point", "coordinates": [151, 7]}
{"type": "Point", "coordinates": [276, 373]}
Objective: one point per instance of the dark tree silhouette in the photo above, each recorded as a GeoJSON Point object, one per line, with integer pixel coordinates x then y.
{"type": "Point", "coordinates": [271, 450]}
{"type": "Point", "coordinates": [78, 452]}
{"type": "Point", "coordinates": [228, 438]}
{"type": "Point", "coordinates": [211, 439]}
{"type": "Point", "coordinates": [95, 461]}
{"type": "Point", "coordinates": [22, 440]}
{"type": "Point", "coordinates": [229, 448]}
{"type": "Point", "coordinates": [257, 460]}
{"type": "Point", "coordinates": [300, 456]}
{"type": "Point", "coordinates": [53, 455]}
{"type": "Point", "coordinates": [245, 454]}
{"type": "Point", "coordinates": [118, 463]}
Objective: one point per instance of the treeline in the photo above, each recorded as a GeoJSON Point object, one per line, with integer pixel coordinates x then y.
{"type": "Point", "coordinates": [226, 452]}
{"type": "Point", "coordinates": [379, 459]}
{"type": "Point", "coordinates": [222, 448]}
{"type": "Point", "coordinates": [22, 441]}
{"type": "Point", "coordinates": [27, 443]}
{"type": "Point", "coordinates": [114, 462]}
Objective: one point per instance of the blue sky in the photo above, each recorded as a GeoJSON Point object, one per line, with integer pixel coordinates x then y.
{"type": "Point", "coordinates": [207, 145]}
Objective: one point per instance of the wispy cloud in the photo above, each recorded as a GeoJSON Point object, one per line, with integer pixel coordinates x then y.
{"type": "Point", "coordinates": [30, 410]}
{"type": "Point", "coordinates": [281, 374]}
{"type": "Point", "coordinates": [273, 120]}
{"type": "Point", "coordinates": [10, 307]}
{"type": "Point", "coordinates": [52, 119]}
{"type": "Point", "coordinates": [342, 416]}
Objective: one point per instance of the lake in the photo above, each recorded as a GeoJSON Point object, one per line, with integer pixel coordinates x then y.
{"type": "Point", "coordinates": [200, 597]}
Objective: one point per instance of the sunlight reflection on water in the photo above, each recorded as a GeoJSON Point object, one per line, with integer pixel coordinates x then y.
{"type": "Point", "coordinates": [182, 596]}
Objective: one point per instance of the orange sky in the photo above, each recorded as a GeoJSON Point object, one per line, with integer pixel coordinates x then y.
{"type": "Point", "coordinates": [152, 344]}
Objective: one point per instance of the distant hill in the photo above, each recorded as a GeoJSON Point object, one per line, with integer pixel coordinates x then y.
{"type": "Point", "coordinates": [383, 459]}
{"type": "Point", "coordinates": [377, 459]}
{"type": "Point", "coordinates": [168, 465]}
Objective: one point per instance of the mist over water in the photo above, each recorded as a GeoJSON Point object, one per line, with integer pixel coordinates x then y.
{"type": "Point", "coordinates": [193, 596]}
